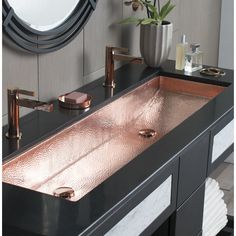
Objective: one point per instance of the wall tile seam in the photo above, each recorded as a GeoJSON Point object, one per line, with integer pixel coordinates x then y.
{"type": "Point", "coordinates": [38, 75]}
{"type": "Point", "coordinates": [83, 73]}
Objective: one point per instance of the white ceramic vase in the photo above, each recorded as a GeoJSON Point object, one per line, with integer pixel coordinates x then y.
{"type": "Point", "coordinates": [155, 43]}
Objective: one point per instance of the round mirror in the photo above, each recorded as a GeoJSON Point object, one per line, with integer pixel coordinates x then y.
{"type": "Point", "coordinates": [43, 15]}
{"type": "Point", "coordinates": [42, 26]}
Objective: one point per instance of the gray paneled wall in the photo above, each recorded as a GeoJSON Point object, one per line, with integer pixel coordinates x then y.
{"type": "Point", "coordinates": [61, 71]}
{"type": "Point", "coordinates": [226, 54]}
{"type": "Point", "coordinates": [82, 61]}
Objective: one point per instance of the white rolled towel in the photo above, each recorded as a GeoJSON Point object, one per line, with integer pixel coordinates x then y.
{"type": "Point", "coordinates": [215, 209]}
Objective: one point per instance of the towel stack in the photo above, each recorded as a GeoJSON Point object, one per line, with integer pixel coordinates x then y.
{"type": "Point", "coordinates": [215, 210]}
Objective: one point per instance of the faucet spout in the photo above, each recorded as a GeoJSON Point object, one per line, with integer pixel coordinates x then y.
{"type": "Point", "coordinates": [129, 58]}
{"type": "Point", "coordinates": [14, 102]}
{"type": "Point", "coordinates": [117, 54]}
{"type": "Point", "coordinates": [36, 105]}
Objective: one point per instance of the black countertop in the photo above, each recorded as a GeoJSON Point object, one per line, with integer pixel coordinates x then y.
{"type": "Point", "coordinates": [46, 215]}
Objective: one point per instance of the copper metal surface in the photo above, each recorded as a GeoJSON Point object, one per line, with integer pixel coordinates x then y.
{"type": "Point", "coordinates": [13, 110]}
{"type": "Point", "coordinates": [74, 106]}
{"type": "Point", "coordinates": [85, 154]}
{"type": "Point", "coordinates": [64, 192]}
{"type": "Point", "coordinates": [114, 54]}
{"type": "Point", "coordinates": [147, 133]}
{"type": "Point", "coordinates": [212, 71]}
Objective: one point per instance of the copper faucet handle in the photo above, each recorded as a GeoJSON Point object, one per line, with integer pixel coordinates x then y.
{"type": "Point", "coordinates": [26, 92]}
{"type": "Point", "coordinates": [17, 91]}
{"type": "Point", "coordinates": [117, 49]}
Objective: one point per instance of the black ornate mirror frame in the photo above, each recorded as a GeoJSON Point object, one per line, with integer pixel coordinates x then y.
{"type": "Point", "coordinates": [46, 41]}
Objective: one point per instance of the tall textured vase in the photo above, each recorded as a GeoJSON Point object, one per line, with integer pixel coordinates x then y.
{"type": "Point", "coordinates": [155, 43]}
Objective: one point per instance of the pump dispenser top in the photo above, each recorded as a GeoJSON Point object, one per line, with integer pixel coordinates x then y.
{"type": "Point", "coordinates": [183, 39]}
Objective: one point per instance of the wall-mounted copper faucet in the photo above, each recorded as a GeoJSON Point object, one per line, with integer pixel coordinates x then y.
{"type": "Point", "coordinates": [118, 54]}
{"type": "Point", "coordinates": [14, 102]}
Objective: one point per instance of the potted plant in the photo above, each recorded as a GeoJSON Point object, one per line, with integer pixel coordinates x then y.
{"type": "Point", "coordinates": [155, 32]}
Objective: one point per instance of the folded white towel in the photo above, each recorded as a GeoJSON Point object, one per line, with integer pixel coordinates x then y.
{"type": "Point", "coordinates": [215, 209]}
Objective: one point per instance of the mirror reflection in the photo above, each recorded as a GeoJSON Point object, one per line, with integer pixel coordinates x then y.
{"type": "Point", "coordinates": [43, 15]}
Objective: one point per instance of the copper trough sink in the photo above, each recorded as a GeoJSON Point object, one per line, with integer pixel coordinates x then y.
{"type": "Point", "coordinates": [85, 154]}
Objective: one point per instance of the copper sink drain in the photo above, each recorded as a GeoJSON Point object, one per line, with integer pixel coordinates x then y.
{"type": "Point", "coordinates": [64, 192]}
{"type": "Point", "coordinates": [147, 133]}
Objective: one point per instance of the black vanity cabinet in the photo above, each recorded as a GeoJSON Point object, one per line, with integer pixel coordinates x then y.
{"type": "Point", "coordinates": [146, 208]}
{"type": "Point", "coordinates": [221, 141]}
{"type": "Point", "coordinates": [159, 193]}
{"type": "Point", "coordinates": [187, 220]}
{"type": "Point", "coordinates": [193, 168]}
{"type": "Point", "coordinates": [196, 162]}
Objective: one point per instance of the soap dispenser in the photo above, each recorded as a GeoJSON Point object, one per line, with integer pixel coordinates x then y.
{"type": "Point", "coordinates": [193, 59]}
{"type": "Point", "coordinates": [181, 49]}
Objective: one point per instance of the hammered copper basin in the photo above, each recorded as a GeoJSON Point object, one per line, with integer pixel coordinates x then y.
{"type": "Point", "coordinates": [85, 154]}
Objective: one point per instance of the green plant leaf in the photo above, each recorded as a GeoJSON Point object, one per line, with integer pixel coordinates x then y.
{"type": "Point", "coordinates": [164, 8]}
{"type": "Point", "coordinates": [168, 10]}
{"type": "Point", "coordinates": [147, 21]}
{"type": "Point", "coordinates": [140, 21]}
{"type": "Point", "coordinates": [153, 10]}
{"type": "Point", "coordinates": [154, 15]}
{"type": "Point", "coordinates": [129, 20]}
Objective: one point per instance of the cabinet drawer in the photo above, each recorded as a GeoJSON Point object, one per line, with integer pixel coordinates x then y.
{"type": "Point", "coordinates": [193, 168]}
{"type": "Point", "coordinates": [188, 217]}
{"type": "Point", "coordinates": [151, 205]}
{"type": "Point", "coordinates": [222, 139]}
{"type": "Point", "coordinates": [140, 217]}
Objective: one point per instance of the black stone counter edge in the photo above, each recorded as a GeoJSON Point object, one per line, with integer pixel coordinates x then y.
{"type": "Point", "coordinates": [98, 202]}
